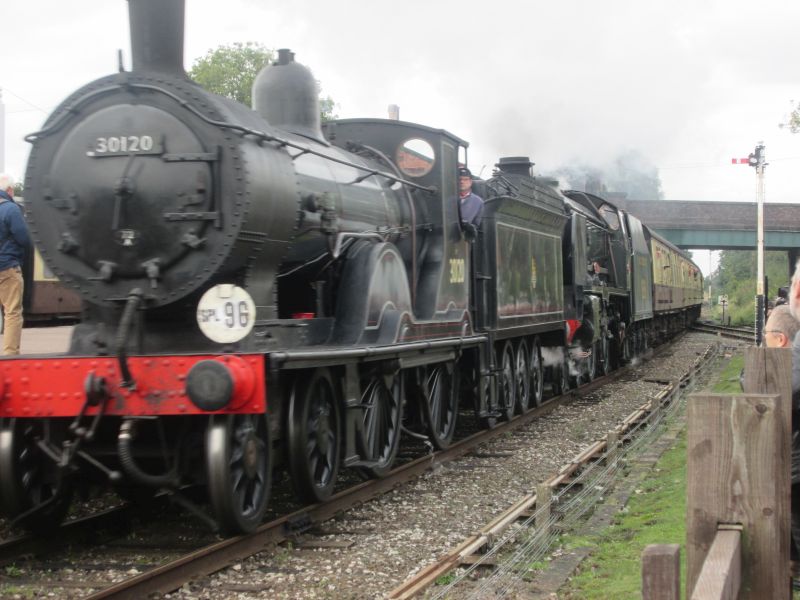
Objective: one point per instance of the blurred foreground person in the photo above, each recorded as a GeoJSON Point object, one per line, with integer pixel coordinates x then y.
{"type": "Point", "coordinates": [781, 328]}
{"type": "Point", "coordinates": [794, 306]}
{"type": "Point", "coordinates": [14, 244]}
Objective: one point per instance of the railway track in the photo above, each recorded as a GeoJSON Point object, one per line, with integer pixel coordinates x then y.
{"type": "Point", "coordinates": [216, 556]}
{"type": "Point", "coordinates": [148, 576]}
{"type": "Point", "coordinates": [112, 521]}
{"type": "Point", "coordinates": [555, 504]}
{"type": "Point", "coordinates": [738, 333]}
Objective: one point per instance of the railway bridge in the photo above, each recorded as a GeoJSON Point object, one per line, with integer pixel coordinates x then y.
{"type": "Point", "coordinates": [721, 225]}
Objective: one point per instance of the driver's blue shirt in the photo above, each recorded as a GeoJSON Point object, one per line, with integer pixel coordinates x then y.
{"type": "Point", "coordinates": [471, 209]}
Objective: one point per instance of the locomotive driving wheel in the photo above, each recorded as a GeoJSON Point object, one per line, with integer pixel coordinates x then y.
{"type": "Point", "coordinates": [383, 410]}
{"type": "Point", "coordinates": [507, 390]}
{"type": "Point", "coordinates": [604, 358]}
{"type": "Point", "coordinates": [440, 403]}
{"type": "Point", "coordinates": [31, 479]}
{"type": "Point", "coordinates": [522, 378]}
{"type": "Point", "coordinates": [485, 386]}
{"type": "Point", "coordinates": [536, 374]}
{"type": "Point", "coordinates": [314, 436]}
{"type": "Point", "coordinates": [239, 463]}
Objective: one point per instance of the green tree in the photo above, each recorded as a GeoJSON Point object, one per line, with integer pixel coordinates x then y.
{"type": "Point", "coordinates": [326, 108]}
{"type": "Point", "coordinates": [793, 121]}
{"type": "Point", "coordinates": [736, 277]}
{"type": "Point", "coordinates": [230, 71]}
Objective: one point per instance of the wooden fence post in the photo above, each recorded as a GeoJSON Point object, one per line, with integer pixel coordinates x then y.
{"type": "Point", "coordinates": [612, 446]}
{"type": "Point", "coordinates": [768, 371]}
{"type": "Point", "coordinates": [738, 459]}
{"type": "Point", "coordinates": [544, 495]}
{"type": "Point", "coordinates": [661, 572]}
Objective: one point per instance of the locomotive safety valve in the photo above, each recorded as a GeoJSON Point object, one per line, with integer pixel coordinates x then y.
{"type": "Point", "coordinates": [226, 382]}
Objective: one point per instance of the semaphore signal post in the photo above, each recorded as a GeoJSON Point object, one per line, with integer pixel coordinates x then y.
{"type": "Point", "coordinates": [758, 160]}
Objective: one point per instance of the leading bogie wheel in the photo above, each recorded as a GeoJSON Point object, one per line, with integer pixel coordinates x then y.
{"type": "Point", "coordinates": [314, 437]}
{"type": "Point", "coordinates": [239, 464]}
{"type": "Point", "coordinates": [383, 409]}
{"type": "Point", "coordinates": [30, 478]}
{"type": "Point", "coordinates": [440, 403]}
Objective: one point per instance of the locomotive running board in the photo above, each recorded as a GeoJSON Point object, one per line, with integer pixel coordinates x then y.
{"type": "Point", "coordinates": [298, 359]}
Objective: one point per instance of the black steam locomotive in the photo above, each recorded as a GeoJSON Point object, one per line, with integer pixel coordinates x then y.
{"type": "Point", "coordinates": [260, 291]}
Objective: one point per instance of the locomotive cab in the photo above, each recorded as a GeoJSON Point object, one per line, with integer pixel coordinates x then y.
{"type": "Point", "coordinates": [433, 248]}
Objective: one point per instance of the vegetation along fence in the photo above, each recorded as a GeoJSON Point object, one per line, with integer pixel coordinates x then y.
{"type": "Point", "coordinates": [738, 492]}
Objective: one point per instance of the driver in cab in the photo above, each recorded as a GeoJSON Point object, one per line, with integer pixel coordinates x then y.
{"type": "Point", "coordinates": [470, 204]}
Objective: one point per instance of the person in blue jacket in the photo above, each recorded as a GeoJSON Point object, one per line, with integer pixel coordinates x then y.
{"type": "Point", "coordinates": [471, 205]}
{"type": "Point", "coordinates": [14, 244]}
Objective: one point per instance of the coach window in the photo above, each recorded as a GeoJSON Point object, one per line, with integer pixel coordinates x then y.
{"type": "Point", "coordinates": [415, 157]}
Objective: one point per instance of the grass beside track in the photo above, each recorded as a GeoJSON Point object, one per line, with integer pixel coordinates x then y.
{"type": "Point", "coordinates": [655, 514]}
{"type": "Point", "coordinates": [728, 382]}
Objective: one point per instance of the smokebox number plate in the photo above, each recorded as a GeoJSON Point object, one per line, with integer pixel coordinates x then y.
{"type": "Point", "coordinates": [226, 313]}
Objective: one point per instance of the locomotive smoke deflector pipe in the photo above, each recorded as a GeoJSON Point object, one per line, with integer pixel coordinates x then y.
{"type": "Point", "coordinates": [157, 35]}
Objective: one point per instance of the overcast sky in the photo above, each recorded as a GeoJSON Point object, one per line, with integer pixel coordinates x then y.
{"type": "Point", "coordinates": [689, 84]}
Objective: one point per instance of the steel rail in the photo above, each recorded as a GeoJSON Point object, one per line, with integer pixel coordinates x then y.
{"type": "Point", "coordinates": [721, 330]}
{"type": "Point", "coordinates": [212, 558]}
{"type": "Point", "coordinates": [492, 531]}
{"type": "Point", "coordinates": [110, 519]}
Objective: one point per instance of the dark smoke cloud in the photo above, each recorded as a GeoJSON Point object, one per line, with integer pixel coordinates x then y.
{"type": "Point", "coordinates": [631, 175]}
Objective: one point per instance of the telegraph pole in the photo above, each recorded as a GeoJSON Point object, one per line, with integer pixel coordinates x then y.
{"type": "Point", "coordinates": [758, 160]}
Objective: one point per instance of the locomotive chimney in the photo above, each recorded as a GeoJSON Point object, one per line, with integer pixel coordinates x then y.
{"type": "Point", "coordinates": [515, 165]}
{"type": "Point", "coordinates": [286, 95]}
{"type": "Point", "coordinates": [157, 35]}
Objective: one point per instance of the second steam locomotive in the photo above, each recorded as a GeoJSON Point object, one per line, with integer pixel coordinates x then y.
{"type": "Point", "coordinates": [260, 292]}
